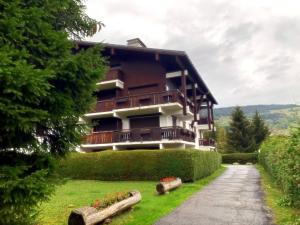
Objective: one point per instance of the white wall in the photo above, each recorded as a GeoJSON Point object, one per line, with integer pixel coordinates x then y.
{"type": "Point", "coordinates": [165, 121]}
{"type": "Point", "coordinates": [125, 124]}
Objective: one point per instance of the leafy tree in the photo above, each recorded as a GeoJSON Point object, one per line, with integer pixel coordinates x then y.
{"type": "Point", "coordinates": [221, 138]}
{"type": "Point", "coordinates": [239, 137]}
{"type": "Point", "coordinates": [259, 129]}
{"type": "Point", "coordinates": [44, 89]}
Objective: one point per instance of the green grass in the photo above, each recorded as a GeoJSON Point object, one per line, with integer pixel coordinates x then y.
{"type": "Point", "coordinates": [78, 193]}
{"type": "Point", "coordinates": [282, 215]}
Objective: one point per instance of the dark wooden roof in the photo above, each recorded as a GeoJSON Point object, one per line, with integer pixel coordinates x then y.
{"type": "Point", "coordinates": [166, 58]}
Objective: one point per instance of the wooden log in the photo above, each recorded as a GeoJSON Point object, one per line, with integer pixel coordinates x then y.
{"type": "Point", "coordinates": [91, 216]}
{"type": "Point", "coordinates": [163, 187]}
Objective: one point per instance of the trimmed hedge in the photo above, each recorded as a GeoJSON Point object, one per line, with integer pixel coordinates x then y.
{"type": "Point", "coordinates": [189, 165]}
{"type": "Point", "coordinates": [280, 156]}
{"type": "Point", "coordinates": [241, 158]}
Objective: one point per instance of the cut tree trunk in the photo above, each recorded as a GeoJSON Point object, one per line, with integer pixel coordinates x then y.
{"type": "Point", "coordinates": [164, 187]}
{"type": "Point", "coordinates": [91, 216]}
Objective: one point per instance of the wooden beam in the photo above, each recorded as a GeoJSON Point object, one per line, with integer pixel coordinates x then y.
{"type": "Point", "coordinates": [212, 116]}
{"type": "Point", "coordinates": [183, 83]}
{"type": "Point", "coordinates": [199, 104]}
{"type": "Point", "coordinates": [208, 115]}
{"type": "Point", "coordinates": [183, 90]}
{"type": "Point", "coordinates": [195, 101]}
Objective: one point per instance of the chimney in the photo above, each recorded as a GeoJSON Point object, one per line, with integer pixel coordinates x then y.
{"type": "Point", "coordinates": [136, 42]}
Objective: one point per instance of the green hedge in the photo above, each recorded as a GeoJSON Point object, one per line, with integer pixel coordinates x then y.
{"type": "Point", "coordinates": [241, 158]}
{"type": "Point", "coordinates": [189, 165]}
{"type": "Point", "coordinates": [280, 156]}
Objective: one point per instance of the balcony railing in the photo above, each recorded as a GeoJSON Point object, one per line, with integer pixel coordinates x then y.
{"type": "Point", "coordinates": [142, 100]}
{"type": "Point", "coordinates": [139, 135]}
{"type": "Point", "coordinates": [207, 142]}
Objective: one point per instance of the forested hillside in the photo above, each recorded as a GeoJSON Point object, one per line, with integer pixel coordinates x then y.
{"type": "Point", "coordinates": [278, 117]}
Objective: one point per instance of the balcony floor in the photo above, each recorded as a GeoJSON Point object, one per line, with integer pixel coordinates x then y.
{"type": "Point", "coordinates": [148, 109]}
{"type": "Point", "coordinates": [123, 145]}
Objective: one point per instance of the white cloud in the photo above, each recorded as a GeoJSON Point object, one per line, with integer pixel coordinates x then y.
{"type": "Point", "coordinates": [246, 51]}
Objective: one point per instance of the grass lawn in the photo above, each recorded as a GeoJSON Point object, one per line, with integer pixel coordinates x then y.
{"type": "Point", "coordinates": [78, 193]}
{"type": "Point", "coordinates": [282, 215]}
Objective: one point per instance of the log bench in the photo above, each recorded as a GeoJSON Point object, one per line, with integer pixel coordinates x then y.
{"type": "Point", "coordinates": [163, 187]}
{"type": "Point", "coordinates": [91, 216]}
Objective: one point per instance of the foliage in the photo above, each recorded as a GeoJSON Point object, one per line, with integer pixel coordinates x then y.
{"type": "Point", "coordinates": [280, 156]}
{"type": "Point", "coordinates": [44, 88]}
{"type": "Point", "coordinates": [110, 199]}
{"type": "Point", "coordinates": [239, 136]}
{"type": "Point", "coordinates": [221, 138]}
{"type": "Point", "coordinates": [167, 179]}
{"type": "Point", "coordinates": [189, 165]}
{"type": "Point", "coordinates": [281, 214]}
{"type": "Point", "coordinates": [241, 158]}
{"type": "Point", "coordinates": [277, 117]}
{"type": "Point", "coordinates": [31, 178]}
{"type": "Point", "coordinates": [71, 196]}
{"type": "Point", "coordinates": [259, 130]}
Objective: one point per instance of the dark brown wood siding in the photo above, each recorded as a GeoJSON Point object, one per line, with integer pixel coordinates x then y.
{"type": "Point", "coordinates": [142, 76]}
{"type": "Point", "coordinates": [106, 94]}
{"type": "Point", "coordinates": [107, 124]}
{"type": "Point", "coordinates": [144, 122]}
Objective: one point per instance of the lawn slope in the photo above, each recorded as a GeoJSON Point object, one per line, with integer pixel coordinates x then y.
{"type": "Point", "coordinates": [77, 193]}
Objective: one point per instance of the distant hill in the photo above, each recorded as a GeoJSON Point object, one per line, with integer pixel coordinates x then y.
{"type": "Point", "coordinates": [278, 117]}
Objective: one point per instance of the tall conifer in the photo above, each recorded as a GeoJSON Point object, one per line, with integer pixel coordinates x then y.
{"type": "Point", "coordinates": [239, 137]}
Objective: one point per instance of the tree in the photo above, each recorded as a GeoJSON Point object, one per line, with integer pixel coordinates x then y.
{"type": "Point", "coordinates": [260, 130]}
{"type": "Point", "coordinates": [221, 138]}
{"type": "Point", "coordinates": [44, 89]}
{"type": "Point", "coordinates": [239, 135]}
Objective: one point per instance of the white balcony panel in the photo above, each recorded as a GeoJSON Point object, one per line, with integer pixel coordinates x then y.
{"type": "Point", "coordinates": [110, 84]}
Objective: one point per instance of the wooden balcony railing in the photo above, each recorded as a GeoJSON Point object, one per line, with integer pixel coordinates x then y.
{"type": "Point", "coordinates": [142, 100]}
{"type": "Point", "coordinates": [207, 142]}
{"type": "Point", "coordinates": [138, 135]}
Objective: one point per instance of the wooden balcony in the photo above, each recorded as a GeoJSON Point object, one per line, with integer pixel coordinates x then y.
{"type": "Point", "coordinates": [140, 135]}
{"type": "Point", "coordinates": [112, 80]}
{"type": "Point", "coordinates": [142, 100]}
{"type": "Point", "coordinates": [113, 74]}
{"type": "Point", "coordinates": [207, 142]}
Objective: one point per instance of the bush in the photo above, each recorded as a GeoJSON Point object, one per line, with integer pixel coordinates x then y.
{"type": "Point", "coordinates": [280, 156]}
{"type": "Point", "coordinates": [241, 158]}
{"type": "Point", "coordinates": [189, 165]}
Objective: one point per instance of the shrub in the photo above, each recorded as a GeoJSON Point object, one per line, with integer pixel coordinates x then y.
{"type": "Point", "coordinates": [241, 158]}
{"type": "Point", "coordinates": [189, 165]}
{"type": "Point", "coordinates": [280, 156]}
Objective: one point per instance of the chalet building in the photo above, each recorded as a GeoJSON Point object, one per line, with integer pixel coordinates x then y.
{"type": "Point", "coordinates": [149, 99]}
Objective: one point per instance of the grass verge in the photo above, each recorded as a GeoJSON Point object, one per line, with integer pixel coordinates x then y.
{"type": "Point", "coordinates": [78, 193]}
{"type": "Point", "coordinates": [282, 215]}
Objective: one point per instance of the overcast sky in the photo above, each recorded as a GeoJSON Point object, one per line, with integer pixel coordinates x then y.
{"type": "Point", "coordinates": [247, 51]}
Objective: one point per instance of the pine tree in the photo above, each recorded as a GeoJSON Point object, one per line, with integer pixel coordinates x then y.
{"type": "Point", "coordinates": [239, 137]}
{"type": "Point", "coordinates": [44, 89]}
{"type": "Point", "coordinates": [259, 129]}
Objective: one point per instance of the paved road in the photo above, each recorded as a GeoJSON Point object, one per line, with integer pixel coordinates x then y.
{"type": "Point", "coordinates": [235, 198]}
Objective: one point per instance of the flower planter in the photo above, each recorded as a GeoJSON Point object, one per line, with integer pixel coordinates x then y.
{"type": "Point", "coordinates": [163, 187]}
{"type": "Point", "coordinates": [90, 215]}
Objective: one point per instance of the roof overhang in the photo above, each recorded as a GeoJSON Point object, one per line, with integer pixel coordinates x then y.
{"type": "Point", "coordinates": [168, 58]}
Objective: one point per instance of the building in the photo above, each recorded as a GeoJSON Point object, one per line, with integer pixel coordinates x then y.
{"type": "Point", "coordinates": [149, 99]}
